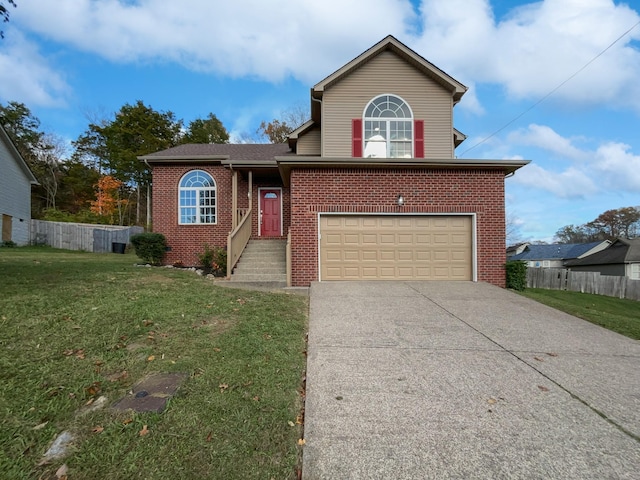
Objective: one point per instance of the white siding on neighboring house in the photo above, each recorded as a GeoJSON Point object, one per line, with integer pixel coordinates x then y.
{"type": "Point", "coordinates": [387, 74]}
{"type": "Point", "coordinates": [15, 194]}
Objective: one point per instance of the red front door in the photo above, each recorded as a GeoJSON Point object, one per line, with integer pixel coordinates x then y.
{"type": "Point", "coordinates": [270, 213]}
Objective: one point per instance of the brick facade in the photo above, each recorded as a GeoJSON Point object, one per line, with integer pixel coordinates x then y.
{"type": "Point", "coordinates": [186, 242]}
{"type": "Point", "coordinates": [476, 191]}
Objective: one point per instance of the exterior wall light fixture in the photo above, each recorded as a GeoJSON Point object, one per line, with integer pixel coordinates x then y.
{"type": "Point", "coordinates": [400, 200]}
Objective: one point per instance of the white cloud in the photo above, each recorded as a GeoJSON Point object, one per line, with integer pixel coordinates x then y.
{"type": "Point", "coordinates": [571, 183]}
{"type": "Point", "coordinates": [529, 52]}
{"type": "Point", "coordinates": [537, 47]}
{"type": "Point", "coordinates": [267, 40]}
{"type": "Point", "coordinates": [544, 137]}
{"type": "Point", "coordinates": [26, 76]}
{"type": "Point", "coordinates": [610, 167]}
{"type": "Point", "coordinates": [617, 167]}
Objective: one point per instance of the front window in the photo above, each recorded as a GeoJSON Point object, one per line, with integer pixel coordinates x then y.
{"type": "Point", "coordinates": [388, 128]}
{"type": "Point", "coordinates": [197, 198]}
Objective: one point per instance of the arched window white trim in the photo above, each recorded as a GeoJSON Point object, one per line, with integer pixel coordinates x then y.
{"type": "Point", "coordinates": [388, 128]}
{"type": "Point", "coordinates": [197, 198]}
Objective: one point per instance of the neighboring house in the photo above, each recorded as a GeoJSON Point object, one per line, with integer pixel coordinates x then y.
{"type": "Point", "coordinates": [516, 249]}
{"type": "Point", "coordinates": [367, 189]}
{"type": "Point", "coordinates": [15, 192]}
{"type": "Point", "coordinates": [557, 255]}
{"type": "Point", "coordinates": [621, 258]}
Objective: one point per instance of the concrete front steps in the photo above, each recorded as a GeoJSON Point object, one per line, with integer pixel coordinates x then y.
{"type": "Point", "coordinates": [264, 262]}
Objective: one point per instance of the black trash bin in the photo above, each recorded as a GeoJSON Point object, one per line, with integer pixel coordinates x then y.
{"type": "Point", "coordinates": [117, 247]}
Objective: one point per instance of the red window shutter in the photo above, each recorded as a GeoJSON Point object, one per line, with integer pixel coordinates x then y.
{"type": "Point", "coordinates": [418, 134]}
{"type": "Point", "coordinates": [356, 138]}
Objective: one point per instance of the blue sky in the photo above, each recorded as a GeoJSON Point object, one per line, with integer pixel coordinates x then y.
{"type": "Point", "coordinates": [75, 61]}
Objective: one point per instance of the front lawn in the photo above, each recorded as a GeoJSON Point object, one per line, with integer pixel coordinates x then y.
{"type": "Point", "coordinates": [76, 326]}
{"type": "Point", "coordinates": [619, 315]}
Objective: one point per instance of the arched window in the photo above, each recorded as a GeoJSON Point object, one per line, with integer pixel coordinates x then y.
{"type": "Point", "coordinates": [388, 128]}
{"type": "Point", "coordinates": [197, 198]}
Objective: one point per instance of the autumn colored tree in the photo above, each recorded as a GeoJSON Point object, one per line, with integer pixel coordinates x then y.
{"type": "Point", "coordinates": [621, 222]}
{"type": "Point", "coordinates": [115, 145]}
{"type": "Point", "coordinates": [108, 200]}
{"type": "Point", "coordinates": [278, 130]}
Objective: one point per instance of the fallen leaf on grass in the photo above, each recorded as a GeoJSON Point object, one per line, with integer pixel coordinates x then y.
{"type": "Point", "coordinates": [115, 377]}
{"type": "Point", "coordinates": [256, 398]}
{"type": "Point", "coordinates": [144, 431]}
{"type": "Point", "coordinates": [241, 301]}
{"type": "Point", "coordinates": [216, 349]}
{"type": "Point", "coordinates": [147, 323]}
{"type": "Point", "coordinates": [151, 358]}
{"type": "Point", "coordinates": [291, 424]}
{"type": "Point", "coordinates": [301, 442]}
{"type": "Point", "coordinates": [209, 436]}
{"type": "Point", "coordinates": [93, 389]}
{"type": "Point", "coordinates": [61, 473]}
{"type": "Point", "coordinates": [543, 388]}
{"type": "Point", "coordinates": [127, 421]}
{"type": "Point", "coordinates": [98, 429]}
{"type": "Point", "coordinates": [41, 426]}
{"type": "Point", "coordinates": [223, 387]}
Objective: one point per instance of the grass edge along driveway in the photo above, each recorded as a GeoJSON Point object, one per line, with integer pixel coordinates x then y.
{"type": "Point", "coordinates": [617, 314]}
{"type": "Point", "coordinates": [75, 326]}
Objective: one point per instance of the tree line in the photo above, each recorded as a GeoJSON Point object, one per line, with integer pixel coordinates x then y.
{"type": "Point", "coordinates": [616, 223]}
{"type": "Point", "coordinates": [98, 177]}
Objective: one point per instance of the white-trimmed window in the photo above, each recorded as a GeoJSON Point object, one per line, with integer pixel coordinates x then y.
{"type": "Point", "coordinates": [388, 128]}
{"type": "Point", "coordinates": [197, 198]}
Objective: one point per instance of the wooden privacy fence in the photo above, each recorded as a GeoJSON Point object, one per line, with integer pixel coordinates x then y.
{"type": "Point", "coordinates": [585, 282]}
{"type": "Point", "coordinates": [80, 236]}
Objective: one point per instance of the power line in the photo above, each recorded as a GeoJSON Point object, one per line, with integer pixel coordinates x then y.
{"type": "Point", "coordinates": [552, 91]}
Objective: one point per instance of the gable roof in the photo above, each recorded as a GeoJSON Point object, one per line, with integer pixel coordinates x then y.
{"type": "Point", "coordinates": [13, 152]}
{"type": "Point", "coordinates": [620, 251]}
{"type": "Point", "coordinates": [258, 153]}
{"type": "Point", "coordinates": [390, 43]}
{"type": "Point", "coordinates": [557, 251]}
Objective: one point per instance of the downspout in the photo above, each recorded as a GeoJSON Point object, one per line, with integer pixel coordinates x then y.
{"type": "Point", "coordinates": [148, 200]}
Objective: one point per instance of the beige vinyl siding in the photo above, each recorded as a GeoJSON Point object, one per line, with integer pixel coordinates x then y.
{"type": "Point", "coordinates": [387, 74]}
{"type": "Point", "coordinates": [309, 143]}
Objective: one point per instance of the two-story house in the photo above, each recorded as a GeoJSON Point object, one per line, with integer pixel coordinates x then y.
{"type": "Point", "coordinates": [367, 189]}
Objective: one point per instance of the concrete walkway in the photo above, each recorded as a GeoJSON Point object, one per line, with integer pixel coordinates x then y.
{"type": "Point", "coordinates": [431, 380]}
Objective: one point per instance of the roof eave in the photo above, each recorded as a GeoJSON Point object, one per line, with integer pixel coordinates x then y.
{"type": "Point", "coordinates": [286, 164]}
{"type": "Point", "coordinates": [183, 159]}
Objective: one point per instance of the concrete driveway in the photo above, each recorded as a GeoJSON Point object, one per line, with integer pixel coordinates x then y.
{"type": "Point", "coordinates": [464, 380]}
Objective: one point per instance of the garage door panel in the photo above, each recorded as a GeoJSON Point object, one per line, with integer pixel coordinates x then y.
{"type": "Point", "coordinates": [375, 247]}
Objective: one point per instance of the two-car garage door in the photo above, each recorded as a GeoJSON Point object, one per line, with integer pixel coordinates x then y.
{"type": "Point", "coordinates": [396, 247]}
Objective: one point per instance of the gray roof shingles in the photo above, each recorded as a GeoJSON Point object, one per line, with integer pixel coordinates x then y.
{"type": "Point", "coordinates": [558, 251]}
{"type": "Point", "coordinates": [620, 251]}
{"type": "Point", "coordinates": [234, 151]}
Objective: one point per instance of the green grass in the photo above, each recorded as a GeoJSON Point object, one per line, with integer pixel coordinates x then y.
{"type": "Point", "coordinates": [73, 320]}
{"type": "Point", "coordinates": [619, 315]}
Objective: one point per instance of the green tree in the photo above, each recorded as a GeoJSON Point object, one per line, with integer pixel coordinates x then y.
{"type": "Point", "coordinates": [209, 130]}
{"type": "Point", "coordinates": [116, 145]}
{"type": "Point", "coordinates": [24, 129]}
{"type": "Point", "coordinates": [4, 13]}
